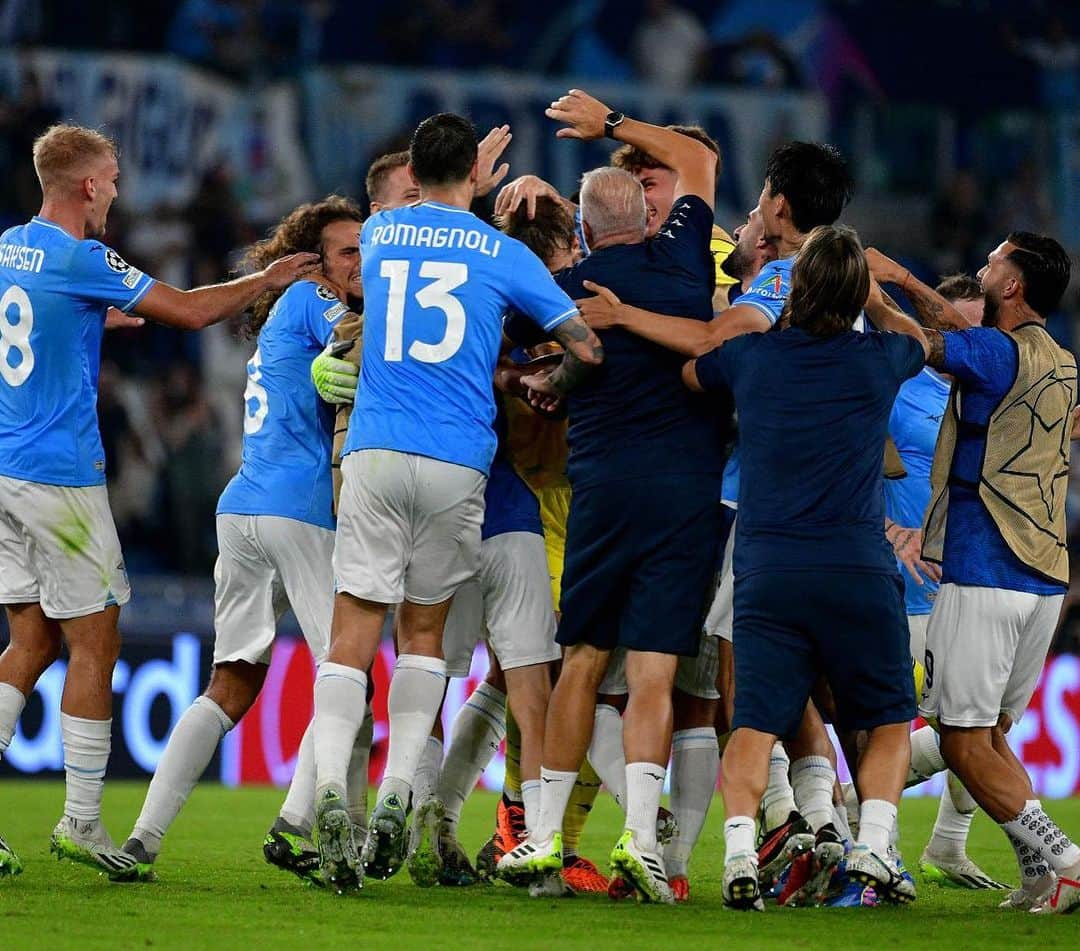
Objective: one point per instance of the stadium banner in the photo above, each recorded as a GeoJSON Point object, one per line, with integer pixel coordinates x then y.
{"type": "Point", "coordinates": [174, 123]}
{"type": "Point", "coordinates": [354, 113]}
{"type": "Point", "coordinates": [157, 679]}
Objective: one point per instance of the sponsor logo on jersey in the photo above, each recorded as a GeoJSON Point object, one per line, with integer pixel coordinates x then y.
{"type": "Point", "coordinates": [116, 262]}
{"type": "Point", "coordinates": [771, 287]}
{"type": "Point", "coordinates": [133, 276]}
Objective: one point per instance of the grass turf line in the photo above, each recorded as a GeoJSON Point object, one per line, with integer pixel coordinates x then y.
{"type": "Point", "coordinates": [214, 890]}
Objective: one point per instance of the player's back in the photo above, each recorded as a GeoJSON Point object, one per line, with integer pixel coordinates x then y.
{"type": "Point", "coordinates": [437, 281]}
{"type": "Point", "coordinates": [54, 292]}
{"type": "Point", "coordinates": [287, 428]}
{"type": "Point", "coordinates": [634, 416]}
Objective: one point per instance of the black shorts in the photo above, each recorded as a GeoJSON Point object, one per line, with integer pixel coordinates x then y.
{"type": "Point", "coordinates": [641, 562]}
{"type": "Point", "coordinates": [793, 626]}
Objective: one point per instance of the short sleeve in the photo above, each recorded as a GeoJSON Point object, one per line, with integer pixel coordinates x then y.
{"type": "Point", "coordinates": [532, 291]}
{"type": "Point", "coordinates": [905, 355]}
{"type": "Point", "coordinates": [980, 355]}
{"type": "Point", "coordinates": [322, 311]}
{"type": "Point", "coordinates": [769, 292]}
{"type": "Point", "coordinates": [686, 234]}
{"type": "Point", "coordinates": [99, 274]}
{"type": "Point", "coordinates": [715, 370]}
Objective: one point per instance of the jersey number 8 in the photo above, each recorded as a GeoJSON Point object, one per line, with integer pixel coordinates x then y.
{"type": "Point", "coordinates": [446, 277]}
{"type": "Point", "coordinates": [16, 336]}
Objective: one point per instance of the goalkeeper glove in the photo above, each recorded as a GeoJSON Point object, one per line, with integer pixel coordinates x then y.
{"type": "Point", "coordinates": [335, 380]}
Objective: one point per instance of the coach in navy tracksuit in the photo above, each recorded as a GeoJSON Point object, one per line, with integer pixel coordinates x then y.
{"type": "Point", "coordinates": [816, 586]}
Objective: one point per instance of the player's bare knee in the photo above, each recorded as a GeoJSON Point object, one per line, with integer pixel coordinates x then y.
{"type": "Point", "coordinates": [234, 687]}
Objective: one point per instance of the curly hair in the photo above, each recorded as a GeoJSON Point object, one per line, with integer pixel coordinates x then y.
{"type": "Point", "coordinates": [300, 230]}
{"type": "Point", "coordinates": [550, 231]}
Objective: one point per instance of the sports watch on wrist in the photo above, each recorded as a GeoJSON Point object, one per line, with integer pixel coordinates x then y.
{"type": "Point", "coordinates": [611, 120]}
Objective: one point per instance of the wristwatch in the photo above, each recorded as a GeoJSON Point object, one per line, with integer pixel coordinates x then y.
{"type": "Point", "coordinates": [611, 120]}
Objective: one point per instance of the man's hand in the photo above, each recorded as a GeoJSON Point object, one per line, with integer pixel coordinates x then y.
{"type": "Point", "coordinates": [335, 380]}
{"type": "Point", "coordinates": [116, 319]}
{"type": "Point", "coordinates": [884, 269]}
{"type": "Point", "coordinates": [525, 189]}
{"type": "Point", "coordinates": [583, 115]}
{"type": "Point", "coordinates": [285, 271]}
{"type": "Point", "coordinates": [542, 394]}
{"type": "Point", "coordinates": [907, 545]}
{"type": "Point", "coordinates": [488, 150]}
{"type": "Point", "coordinates": [602, 311]}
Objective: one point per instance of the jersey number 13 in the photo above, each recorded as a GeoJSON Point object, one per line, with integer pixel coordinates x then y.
{"type": "Point", "coordinates": [445, 277]}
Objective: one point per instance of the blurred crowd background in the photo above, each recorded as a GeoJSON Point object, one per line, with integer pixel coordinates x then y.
{"type": "Point", "coordinates": [961, 119]}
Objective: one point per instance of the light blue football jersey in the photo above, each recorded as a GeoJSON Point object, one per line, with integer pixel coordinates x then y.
{"type": "Point", "coordinates": [288, 429]}
{"type": "Point", "coordinates": [914, 424]}
{"type": "Point", "coordinates": [54, 291]}
{"type": "Point", "coordinates": [437, 281]}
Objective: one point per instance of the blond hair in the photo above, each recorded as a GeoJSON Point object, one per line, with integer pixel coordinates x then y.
{"type": "Point", "coordinates": [64, 153]}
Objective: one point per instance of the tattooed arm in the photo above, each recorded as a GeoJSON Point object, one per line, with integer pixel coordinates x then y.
{"type": "Point", "coordinates": [935, 354]}
{"type": "Point", "coordinates": [584, 352]}
{"type": "Point", "coordinates": [888, 317]}
{"type": "Point", "coordinates": [933, 310]}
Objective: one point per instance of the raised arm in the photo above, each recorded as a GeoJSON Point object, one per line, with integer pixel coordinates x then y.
{"type": "Point", "coordinates": [203, 306]}
{"type": "Point", "coordinates": [933, 310]}
{"type": "Point", "coordinates": [693, 163]}
{"type": "Point", "coordinates": [888, 317]}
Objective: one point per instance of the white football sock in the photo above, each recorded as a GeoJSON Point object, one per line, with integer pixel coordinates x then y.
{"type": "Point", "coordinates": [12, 702]}
{"type": "Point", "coordinates": [1041, 834]}
{"type": "Point", "coordinates": [926, 759]}
{"type": "Point", "coordinates": [739, 838]}
{"type": "Point", "coordinates": [876, 820]}
{"type": "Point", "coordinates": [298, 809]}
{"type": "Point", "coordinates": [812, 780]}
{"type": "Point", "coordinates": [851, 807]}
{"type": "Point", "coordinates": [1032, 865]}
{"type": "Point", "coordinates": [555, 790]}
{"type": "Point", "coordinates": [695, 760]}
{"type": "Point", "coordinates": [606, 752]}
{"type": "Point", "coordinates": [416, 693]}
{"type": "Point", "coordinates": [86, 755]}
{"type": "Point", "coordinates": [340, 702]}
{"type": "Point", "coordinates": [530, 795]}
{"type": "Point", "coordinates": [840, 820]}
{"type": "Point", "coordinates": [428, 771]}
{"type": "Point", "coordinates": [778, 801]}
{"type": "Point", "coordinates": [955, 814]}
{"type": "Point", "coordinates": [644, 787]}
{"type": "Point", "coordinates": [186, 756]}
{"type": "Point", "coordinates": [477, 731]}
{"type": "Point", "coordinates": [356, 798]}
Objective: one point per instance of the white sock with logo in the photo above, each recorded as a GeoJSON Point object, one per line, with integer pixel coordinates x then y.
{"type": "Point", "coordinates": [187, 754]}
{"type": "Point", "coordinates": [876, 820]}
{"type": "Point", "coordinates": [478, 729]}
{"type": "Point", "coordinates": [739, 839]}
{"type": "Point", "coordinates": [778, 801]}
{"type": "Point", "coordinates": [644, 787]}
{"type": "Point", "coordinates": [955, 814]}
{"type": "Point", "coordinates": [1035, 829]}
{"type": "Point", "coordinates": [556, 787]}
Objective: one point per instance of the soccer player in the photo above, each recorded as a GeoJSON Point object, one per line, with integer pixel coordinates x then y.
{"type": "Point", "coordinates": [996, 523]}
{"type": "Point", "coordinates": [806, 185]}
{"type": "Point", "coordinates": [436, 284]}
{"type": "Point", "coordinates": [825, 552]}
{"type": "Point", "coordinates": [644, 468]}
{"type": "Point", "coordinates": [62, 575]}
{"type": "Point", "coordinates": [916, 418]}
{"type": "Point", "coordinates": [388, 182]}
{"type": "Point", "coordinates": [275, 529]}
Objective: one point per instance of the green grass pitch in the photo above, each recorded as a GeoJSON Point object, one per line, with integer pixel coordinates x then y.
{"type": "Point", "coordinates": [215, 891]}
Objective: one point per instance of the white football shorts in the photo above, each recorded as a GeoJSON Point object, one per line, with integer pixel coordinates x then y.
{"type": "Point", "coordinates": [58, 547]}
{"type": "Point", "coordinates": [508, 603]}
{"type": "Point", "coordinates": [695, 676]}
{"type": "Point", "coordinates": [718, 622]}
{"type": "Point", "coordinates": [985, 650]}
{"type": "Point", "coordinates": [408, 527]}
{"type": "Point", "coordinates": [266, 565]}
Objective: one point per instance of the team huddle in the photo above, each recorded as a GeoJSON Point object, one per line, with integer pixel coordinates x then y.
{"type": "Point", "coordinates": [695, 492]}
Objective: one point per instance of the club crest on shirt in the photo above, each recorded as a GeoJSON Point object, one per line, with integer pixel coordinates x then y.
{"type": "Point", "coordinates": [116, 262]}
